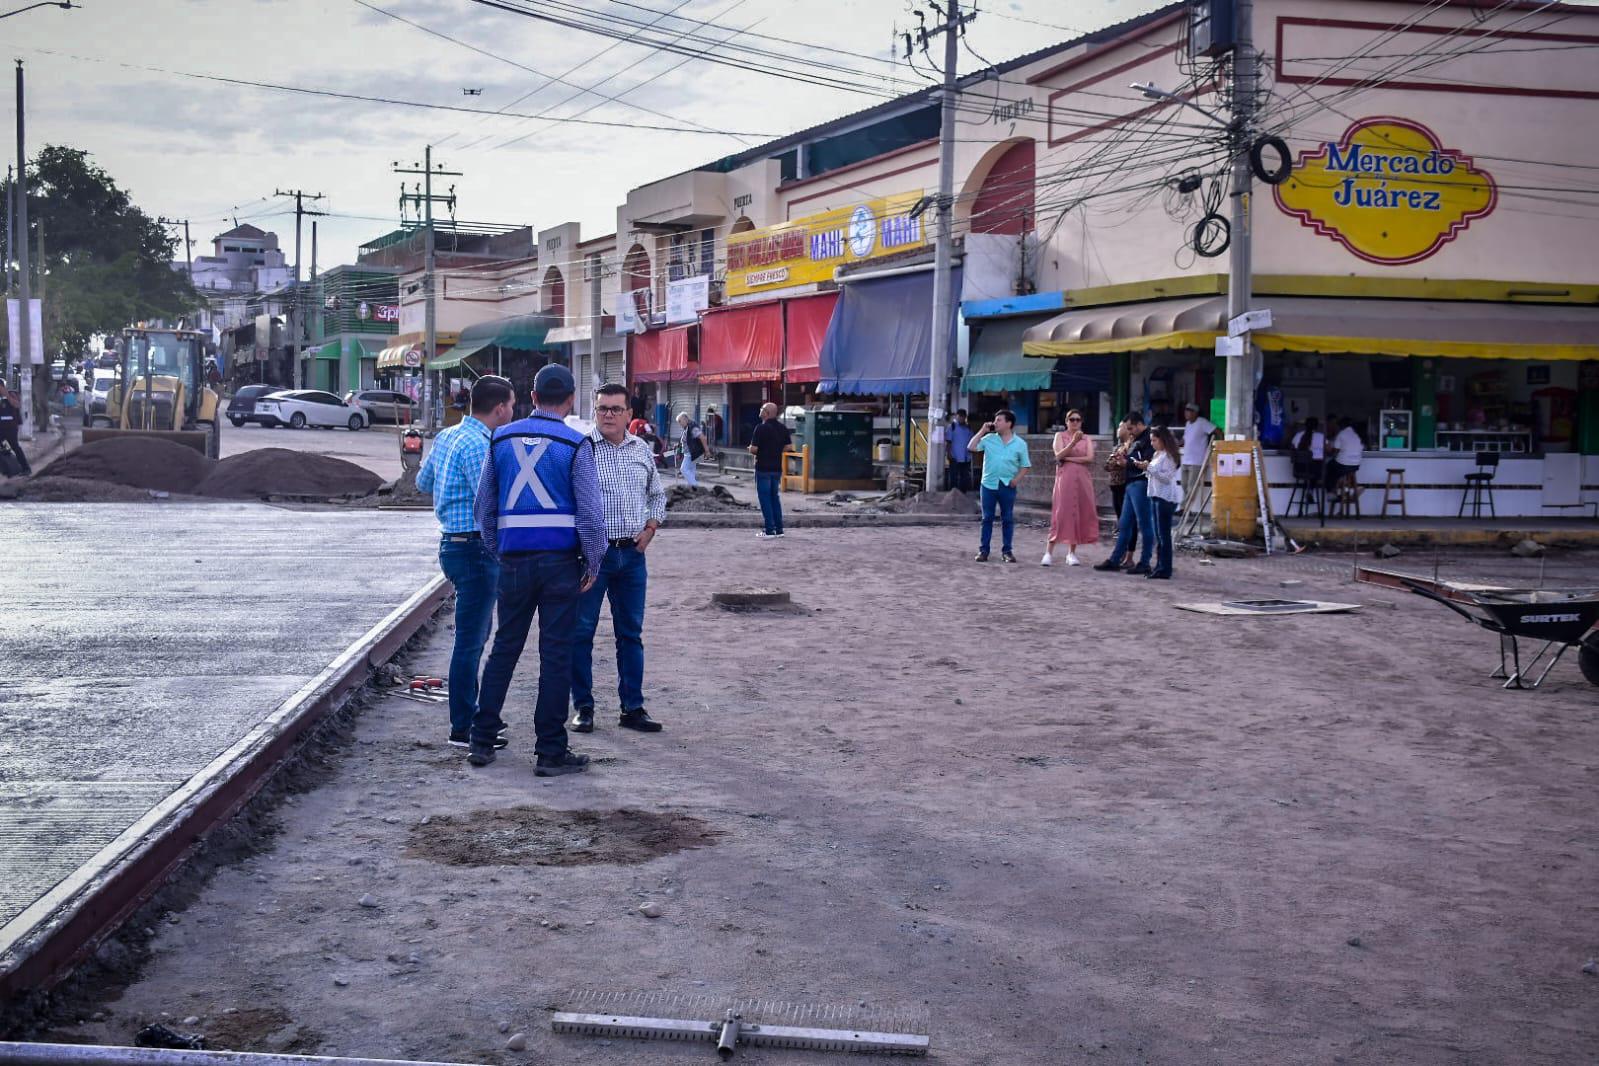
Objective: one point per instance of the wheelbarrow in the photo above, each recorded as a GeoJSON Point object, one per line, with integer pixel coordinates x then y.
{"type": "Point", "coordinates": [1561, 618]}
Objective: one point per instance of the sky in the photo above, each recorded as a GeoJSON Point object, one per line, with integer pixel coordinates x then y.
{"type": "Point", "coordinates": [104, 77]}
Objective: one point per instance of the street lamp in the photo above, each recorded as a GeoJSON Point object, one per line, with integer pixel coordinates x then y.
{"type": "Point", "coordinates": [1155, 92]}
{"type": "Point", "coordinates": [65, 5]}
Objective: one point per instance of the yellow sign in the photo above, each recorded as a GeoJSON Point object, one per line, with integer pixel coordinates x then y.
{"type": "Point", "coordinates": [809, 249]}
{"type": "Point", "coordinates": [1388, 191]}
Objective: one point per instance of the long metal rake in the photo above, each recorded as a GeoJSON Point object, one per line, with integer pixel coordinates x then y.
{"type": "Point", "coordinates": [752, 1022]}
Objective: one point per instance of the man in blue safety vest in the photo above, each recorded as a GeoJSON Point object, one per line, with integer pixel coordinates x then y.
{"type": "Point", "coordinates": [541, 513]}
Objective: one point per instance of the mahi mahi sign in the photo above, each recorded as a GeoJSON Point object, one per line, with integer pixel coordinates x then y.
{"type": "Point", "coordinates": [1388, 191]}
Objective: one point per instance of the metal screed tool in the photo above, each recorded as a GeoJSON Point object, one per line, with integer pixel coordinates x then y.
{"type": "Point", "coordinates": [750, 1022]}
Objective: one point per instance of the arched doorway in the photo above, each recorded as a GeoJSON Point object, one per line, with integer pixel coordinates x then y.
{"type": "Point", "coordinates": [636, 269]}
{"type": "Point", "coordinates": [1004, 202]}
{"type": "Point", "coordinates": [554, 293]}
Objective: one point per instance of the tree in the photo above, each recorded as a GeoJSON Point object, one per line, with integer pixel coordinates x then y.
{"type": "Point", "coordinates": [106, 263]}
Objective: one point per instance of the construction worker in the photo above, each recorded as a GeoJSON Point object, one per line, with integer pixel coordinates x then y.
{"type": "Point", "coordinates": [10, 423]}
{"type": "Point", "coordinates": [543, 517]}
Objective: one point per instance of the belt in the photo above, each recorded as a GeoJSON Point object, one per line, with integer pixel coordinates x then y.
{"type": "Point", "coordinates": [623, 542]}
{"type": "Point", "coordinates": [462, 538]}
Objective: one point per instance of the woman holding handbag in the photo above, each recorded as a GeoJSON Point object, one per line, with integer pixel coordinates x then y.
{"type": "Point", "coordinates": [1073, 518]}
{"type": "Point", "coordinates": [1116, 467]}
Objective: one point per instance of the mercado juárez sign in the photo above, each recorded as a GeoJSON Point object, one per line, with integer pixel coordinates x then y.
{"type": "Point", "coordinates": [1388, 191]}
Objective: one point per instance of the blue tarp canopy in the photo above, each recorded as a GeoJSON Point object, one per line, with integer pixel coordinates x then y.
{"type": "Point", "coordinates": [880, 340]}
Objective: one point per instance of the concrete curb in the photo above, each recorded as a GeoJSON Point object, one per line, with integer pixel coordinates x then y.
{"type": "Point", "coordinates": [41, 945]}
{"type": "Point", "coordinates": [1506, 537]}
{"type": "Point", "coordinates": [810, 520]}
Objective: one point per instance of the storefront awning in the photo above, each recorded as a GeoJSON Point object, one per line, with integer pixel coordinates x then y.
{"type": "Point", "coordinates": [1442, 329]}
{"type": "Point", "coordinates": [330, 350]}
{"type": "Point", "coordinates": [880, 339]}
{"type": "Point", "coordinates": [805, 324]}
{"type": "Point", "coordinates": [662, 355]}
{"type": "Point", "coordinates": [742, 344]}
{"type": "Point", "coordinates": [997, 363]}
{"type": "Point", "coordinates": [525, 333]}
{"type": "Point", "coordinates": [393, 355]}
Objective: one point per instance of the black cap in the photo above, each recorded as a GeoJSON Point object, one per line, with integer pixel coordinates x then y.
{"type": "Point", "coordinates": [553, 382]}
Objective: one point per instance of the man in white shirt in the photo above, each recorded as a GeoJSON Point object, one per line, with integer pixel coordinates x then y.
{"type": "Point", "coordinates": [1348, 450]}
{"type": "Point", "coordinates": [1196, 445]}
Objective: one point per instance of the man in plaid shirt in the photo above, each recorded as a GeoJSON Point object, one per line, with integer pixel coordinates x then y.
{"type": "Point", "coordinates": [451, 472]}
{"type": "Point", "coordinates": [635, 507]}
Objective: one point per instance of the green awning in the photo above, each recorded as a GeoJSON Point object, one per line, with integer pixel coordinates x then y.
{"type": "Point", "coordinates": [524, 333]}
{"type": "Point", "coordinates": [330, 350]}
{"type": "Point", "coordinates": [362, 349]}
{"type": "Point", "coordinates": [997, 363]}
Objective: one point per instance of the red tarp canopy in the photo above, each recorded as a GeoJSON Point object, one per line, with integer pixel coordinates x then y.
{"type": "Point", "coordinates": [662, 355]}
{"type": "Point", "coordinates": [742, 344]}
{"type": "Point", "coordinates": [807, 320]}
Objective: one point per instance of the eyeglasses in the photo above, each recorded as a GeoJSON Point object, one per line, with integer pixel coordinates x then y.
{"type": "Point", "coordinates": [1074, 418]}
{"type": "Point", "coordinates": [607, 409]}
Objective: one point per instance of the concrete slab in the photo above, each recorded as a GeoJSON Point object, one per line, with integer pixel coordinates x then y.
{"type": "Point", "coordinates": [139, 642]}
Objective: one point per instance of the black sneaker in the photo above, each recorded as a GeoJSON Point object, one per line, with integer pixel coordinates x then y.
{"type": "Point", "coordinates": [1007, 557]}
{"type": "Point", "coordinates": [583, 720]}
{"type": "Point", "coordinates": [568, 762]}
{"type": "Point", "coordinates": [1108, 565]}
{"type": "Point", "coordinates": [980, 557]}
{"type": "Point", "coordinates": [1139, 571]}
{"type": "Point", "coordinates": [464, 740]}
{"type": "Point", "coordinates": [480, 754]}
{"type": "Point", "coordinates": [640, 720]}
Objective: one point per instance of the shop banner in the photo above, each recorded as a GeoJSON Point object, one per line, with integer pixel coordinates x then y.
{"type": "Point", "coordinates": [808, 250]}
{"type": "Point", "coordinates": [1387, 190]}
{"type": "Point", "coordinates": [633, 311]}
{"type": "Point", "coordinates": [686, 298]}
{"type": "Point", "coordinates": [35, 332]}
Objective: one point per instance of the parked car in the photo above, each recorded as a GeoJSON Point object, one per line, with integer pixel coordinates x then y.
{"type": "Point", "coordinates": [241, 408]}
{"type": "Point", "coordinates": [95, 397]}
{"type": "Point", "coordinates": [298, 408]}
{"type": "Point", "coordinates": [381, 405]}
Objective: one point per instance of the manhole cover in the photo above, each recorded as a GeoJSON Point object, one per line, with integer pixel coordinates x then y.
{"type": "Point", "coordinates": [541, 836]}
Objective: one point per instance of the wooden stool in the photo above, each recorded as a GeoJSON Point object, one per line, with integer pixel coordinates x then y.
{"type": "Point", "coordinates": [1346, 497]}
{"type": "Point", "coordinates": [1393, 492]}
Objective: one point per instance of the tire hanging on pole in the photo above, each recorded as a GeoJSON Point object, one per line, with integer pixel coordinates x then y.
{"type": "Point", "coordinates": [1212, 234]}
{"type": "Point", "coordinates": [1257, 159]}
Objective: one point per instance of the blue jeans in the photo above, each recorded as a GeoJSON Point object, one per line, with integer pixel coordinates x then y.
{"type": "Point", "coordinates": [1164, 513]}
{"type": "Point", "coordinates": [1137, 518]}
{"type": "Point", "coordinates": [767, 487]}
{"type": "Point", "coordinates": [475, 575]}
{"type": "Point", "coordinates": [1004, 498]}
{"type": "Point", "coordinates": [623, 575]}
{"type": "Point", "coordinates": [546, 583]}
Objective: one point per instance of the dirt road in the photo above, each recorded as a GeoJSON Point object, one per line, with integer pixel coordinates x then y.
{"type": "Point", "coordinates": [1066, 820]}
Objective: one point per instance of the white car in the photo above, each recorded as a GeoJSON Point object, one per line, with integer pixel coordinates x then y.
{"type": "Point", "coordinates": [298, 408]}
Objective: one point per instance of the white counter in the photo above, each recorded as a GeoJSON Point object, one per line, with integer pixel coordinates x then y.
{"type": "Point", "coordinates": [1523, 486]}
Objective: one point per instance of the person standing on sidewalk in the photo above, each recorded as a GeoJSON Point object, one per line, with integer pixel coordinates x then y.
{"type": "Point", "coordinates": [543, 518]}
{"type": "Point", "coordinates": [1165, 496]}
{"type": "Point", "coordinates": [1073, 517]}
{"type": "Point", "coordinates": [1005, 459]}
{"type": "Point", "coordinates": [1136, 517]}
{"type": "Point", "coordinates": [451, 473]}
{"type": "Point", "coordinates": [768, 443]}
{"type": "Point", "coordinates": [635, 507]}
{"type": "Point", "coordinates": [960, 454]}
{"type": "Point", "coordinates": [10, 423]}
{"type": "Point", "coordinates": [1197, 434]}
{"type": "Point", "coordinates": [693, 448]}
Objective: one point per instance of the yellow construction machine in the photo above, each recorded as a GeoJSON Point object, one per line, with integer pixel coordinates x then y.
{"type": "Point", "coordinates": [162, 391]}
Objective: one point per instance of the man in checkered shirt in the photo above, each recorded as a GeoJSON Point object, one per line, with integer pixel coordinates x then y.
{"type": "Point", "coordinates": [635, 506]}
{"type": "Point", "coordinates": [451, 472]}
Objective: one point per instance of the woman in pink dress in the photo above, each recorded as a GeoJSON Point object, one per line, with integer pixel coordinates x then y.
{"type": "Point", "coordinates": [1073, 518]}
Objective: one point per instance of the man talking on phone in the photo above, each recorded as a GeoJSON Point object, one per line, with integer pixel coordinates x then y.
{"type": "Point", "coordinates": [543, 517]}
{"type": "Point", "coordinates": [1005, 459]}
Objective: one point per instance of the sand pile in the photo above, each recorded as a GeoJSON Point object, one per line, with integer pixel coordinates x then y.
{"type": "Point", "coordinates": [953, 502]}
{"type": "Point", "coordinates": [698, 499]}
{"type": "Point", "coordinates": [135, 462]}
{"type": "Point", "coordinates": [49, 489]}
{"type": "Point", "coordinates": [281, 472]}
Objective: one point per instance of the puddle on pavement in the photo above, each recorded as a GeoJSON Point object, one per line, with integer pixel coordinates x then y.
{"type": "Point", "coordinates": [541, 836]}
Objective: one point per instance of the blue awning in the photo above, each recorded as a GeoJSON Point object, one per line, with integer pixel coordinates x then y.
{"type": "Point", "coordinates": [880, 340]}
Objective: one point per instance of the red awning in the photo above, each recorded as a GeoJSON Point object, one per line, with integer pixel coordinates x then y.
{"type": "Point", "coordinates": [662, 355]}
{"type": "Point", "coordinates": [742, 344]}
{"type": "Point", "coordinates": [807, 320]}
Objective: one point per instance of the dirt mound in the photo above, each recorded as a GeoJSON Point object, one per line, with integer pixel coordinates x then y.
{"type": "Point", "coordinates": [48, 489]}
{"type": "Point", "coordinates": [540, 836]}
{"type": "Point", "coordinates": [697, 499]}
{"type": "Point", "coordinates": [135, 462]}
{"type": "Point", "coordinates": [952, 502]}
{"type": "Point", "coordinates": [281, 472]}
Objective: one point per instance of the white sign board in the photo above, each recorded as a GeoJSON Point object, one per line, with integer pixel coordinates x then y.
{"type": "Point", "coordinates": [685, 299]}
{"type": "Point", "coordinates": [632, 311]}
{"type": "Point", "coordinates": [35, 332]}
{"type": "Point", "coordinates": [1249, 320]}
{"type": "Point", "coordinates": [1230, 347]}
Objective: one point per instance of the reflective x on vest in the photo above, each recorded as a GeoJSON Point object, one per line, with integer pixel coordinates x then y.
{"type": "Point", "coordinates": [527, 478]}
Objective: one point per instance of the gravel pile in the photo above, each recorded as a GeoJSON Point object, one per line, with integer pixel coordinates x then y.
{"type": "Point", "coordinates": [49, 489]}
{"type": "Point", "coordinates": [281, 472]}
{"type": "Point", "coordinates": [953, 501]}
{"type": "Point", "coordinates": [135, 462]}
{"type": "Point", "coordinates": [698, 499]}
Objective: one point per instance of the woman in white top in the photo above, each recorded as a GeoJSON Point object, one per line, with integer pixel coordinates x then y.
{"type": "Point", "coordinates": [1165, 494]}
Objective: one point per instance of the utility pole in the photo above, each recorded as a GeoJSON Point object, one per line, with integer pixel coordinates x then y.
{"type": "Point", "coordinates": [424, 200]}
{"type": "Point", "coordinates": [316, 302]}
{"type": "Point", "coordinates": [24, 354]}
{"type": "Point", "coordinates": [296, 311]}
{"type": "Point", "coordinates": [11, 237]}
{"type": "Point", "coordinates": [597, 273]}
{"type": "Point", "coordinates": [1244, 369]}
{"type": "Point", "coordinates": [939, 371]}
